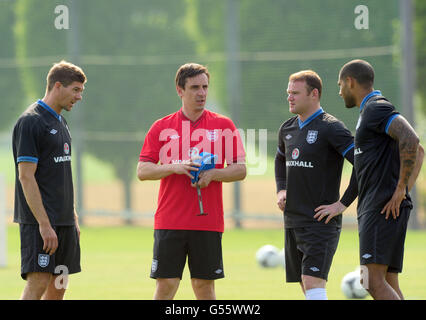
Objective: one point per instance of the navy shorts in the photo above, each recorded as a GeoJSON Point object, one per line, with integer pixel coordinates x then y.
{"type": "Point", "coordinates": [382, 241]}
{"type": "Point", "coordinates": [310, 251]}
{"type": "Point", "coordinates": [34, 259]}
{"type": "Point", "coordinates": [203, 249]}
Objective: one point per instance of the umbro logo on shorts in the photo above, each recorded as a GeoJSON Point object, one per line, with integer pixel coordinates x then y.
{"type": "Point", "coordinates": [314, 269]}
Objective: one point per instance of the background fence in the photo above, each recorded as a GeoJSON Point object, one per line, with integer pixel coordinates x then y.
{"type": "Point", "coordinates": [130, 51]}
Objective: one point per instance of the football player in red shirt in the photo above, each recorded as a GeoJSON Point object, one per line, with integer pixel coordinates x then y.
{"type": "Point", "coordinates": [168, 155]}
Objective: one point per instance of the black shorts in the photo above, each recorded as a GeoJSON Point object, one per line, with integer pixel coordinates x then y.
{"type": "Point", "coordinates": [309, 251]}
{"type": "Point", "coordinates": [382, 241]}
{"type": "Point", "coordinates": [203, 248]}
{"type": "Point", "coordinates": [34, 259]}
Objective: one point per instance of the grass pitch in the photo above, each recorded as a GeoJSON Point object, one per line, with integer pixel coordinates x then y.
{"type": "Point", "coordinates": [116, 263]}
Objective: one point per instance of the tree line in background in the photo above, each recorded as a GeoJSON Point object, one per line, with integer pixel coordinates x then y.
{"type": "Point", "coordinates": [130, 51]}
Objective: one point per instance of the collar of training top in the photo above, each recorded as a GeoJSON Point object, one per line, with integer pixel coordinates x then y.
{"type": "Point", "coordinates": [368, 96]}
{"type": "Point", "coordinates": [53, 112]}
{"type": "Point", "coordinates": [311, 117]}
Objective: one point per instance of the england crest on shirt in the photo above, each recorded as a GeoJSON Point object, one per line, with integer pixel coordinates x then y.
{"type": "Point", "coordinates": [312, 136]}
{"type": "Point", "coordinates": [212, 135]}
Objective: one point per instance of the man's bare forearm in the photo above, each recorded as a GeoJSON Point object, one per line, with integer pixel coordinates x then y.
{"type": "Point", "coordinates": [231, 173]}
{"type": "Point", "coordinates": [152, 171]}
{"type": "Point", "coordinates": [33, 197]}
{"type": "Point", "coordinates": [417, 167]}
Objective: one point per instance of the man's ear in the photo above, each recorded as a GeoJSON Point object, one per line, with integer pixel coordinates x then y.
{"type": "Point", "coordinates": [179, 91]}
{"type": "Point", "coordinates": [351, 82]}
{"type": "Point", "coordinates": [315, 93]}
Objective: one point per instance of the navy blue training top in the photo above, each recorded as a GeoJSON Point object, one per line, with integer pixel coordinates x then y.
{"type": "Point", "coordinates": [42, 136]}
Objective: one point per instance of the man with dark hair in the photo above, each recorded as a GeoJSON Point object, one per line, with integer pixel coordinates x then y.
{"type": "Point", "coordinates": [169, 154]}
{"type": "Point", "coordinates": [189, 70]}
{"type": "Point", "coordinates": [308, 168]}
{"type": "Point", "coordinates": [388, 158]}
{"type": "Point", "coordinates": [65, 73]}
{"type": "Point", "coordinates": [44, 200]}
{"type": "Point", "coordinates": [359, 70]}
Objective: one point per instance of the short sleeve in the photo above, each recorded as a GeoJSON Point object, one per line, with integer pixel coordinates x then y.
{"type": "Point", "coordinates": [341, 138]}
{"type": "Point", "coordinates": [26, 137]}
{"type": "Point", "coordinates": [151, 146]}
{"type": "Point", "coordinates": [379, 116]}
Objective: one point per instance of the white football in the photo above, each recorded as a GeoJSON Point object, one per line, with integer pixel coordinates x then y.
{"type": "Point", "coordinates": [351, 286]}
{"type": "Point", "coordinates": [268, 256]}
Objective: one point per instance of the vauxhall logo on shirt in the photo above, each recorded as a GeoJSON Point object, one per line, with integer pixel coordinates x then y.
{"type": "Point", "coordinates": [295, 155]}
{"type": "Point", "coordinates": [357, 151]}
{"type": "Point", "coordinates": [66, 157]}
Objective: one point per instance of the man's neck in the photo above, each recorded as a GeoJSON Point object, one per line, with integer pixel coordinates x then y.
{"type": "Point", "coordinates": [51, 102]}
{"type": "Point", "coordinates": [362, 94]}
{"type": "Point", "coordinates": [308, 113]}
{"type": "Point", "coordinates": [192, 114]}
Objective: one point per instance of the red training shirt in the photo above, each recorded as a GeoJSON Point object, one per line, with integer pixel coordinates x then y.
{"type": "Point", "coordinates": [174, 139]}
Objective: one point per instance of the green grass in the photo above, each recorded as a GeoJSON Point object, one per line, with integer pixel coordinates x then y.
{"type": "Point", "coordinates": [116, 263]}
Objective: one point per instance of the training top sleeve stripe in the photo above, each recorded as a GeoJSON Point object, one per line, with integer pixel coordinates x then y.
{"type": "Point", "coordinates": [390, 121]}
{"type": "Point", "coordinates": [347, 149]}
{"type": "Point", "coordinates": [27, 159]}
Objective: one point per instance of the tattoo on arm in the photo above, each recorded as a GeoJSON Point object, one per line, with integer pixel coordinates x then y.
{"type": "Point", "coordinates": [408, 141]}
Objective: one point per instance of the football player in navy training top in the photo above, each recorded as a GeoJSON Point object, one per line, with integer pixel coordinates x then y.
{"type": "Point", "coordinates": [44, 198]}
{"type": "Point", "coordinates": [388, 158]}
{"type": "Point", "coordinates": [311, 150]}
